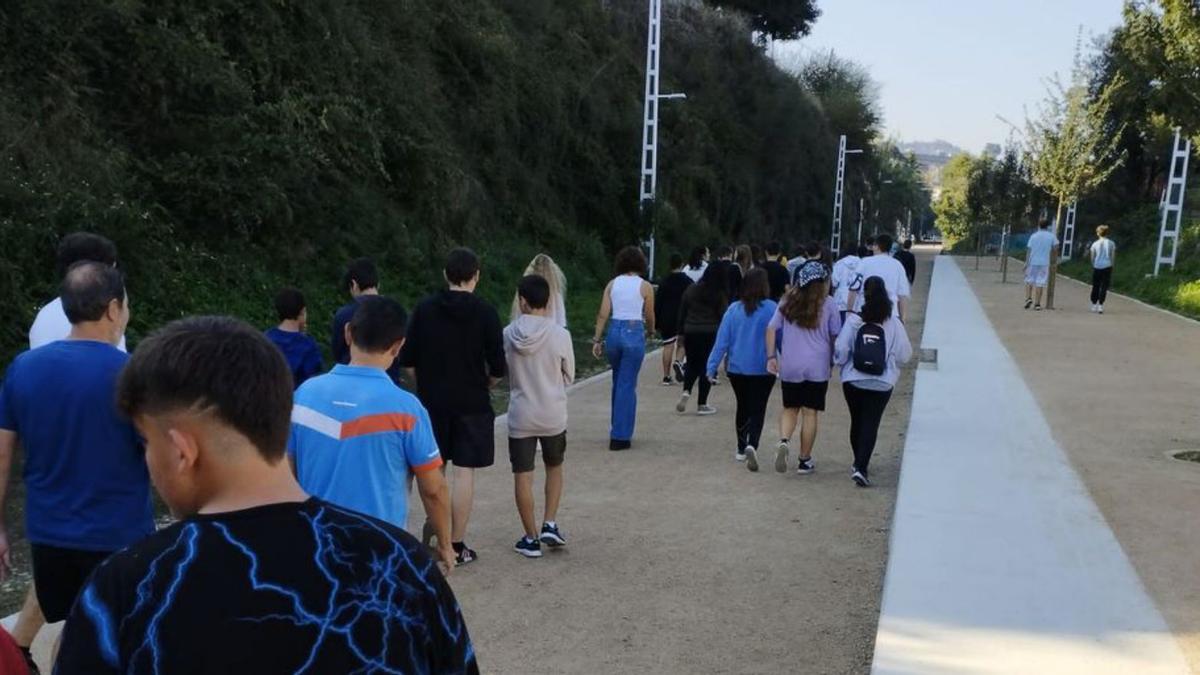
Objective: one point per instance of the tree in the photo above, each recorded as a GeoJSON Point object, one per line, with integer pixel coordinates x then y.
{"type": "Point", "coordinates": [778, 19]}
{"type": "Point", "coordinates": [952, 209]}
{"type": "Point", "coordinates": [1071, 147]}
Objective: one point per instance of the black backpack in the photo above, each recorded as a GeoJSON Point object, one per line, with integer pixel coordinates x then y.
{"type": "Point", "coordinates": [870, 350]}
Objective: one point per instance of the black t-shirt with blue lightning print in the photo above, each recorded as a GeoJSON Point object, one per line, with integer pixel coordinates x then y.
{"type": "Point", "coordinates": [285, 588]}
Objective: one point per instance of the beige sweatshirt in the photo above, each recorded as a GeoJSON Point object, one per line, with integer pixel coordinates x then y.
{"type": "Point", "coordinates": [541, 363]}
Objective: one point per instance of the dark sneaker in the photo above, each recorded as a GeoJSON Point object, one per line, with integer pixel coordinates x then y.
{"type": "Point", "coordinates": [1028, 304]}
{"type": "Point", "coordinates": [805, 466]}
{"type": "Point", "coordinates": [751, 458]}
{"type": "Point", "coordinates": [1037, 308]}
{"type": "Point", "coordinates": [428, 534]}
{"type": "Point", "coordinates": [530, 548]}
{"type": "Point", "coordinates": [677, 366]}
{"type": "Point", "coordinates": [860, 479]}
{"type": "Point", "coordinates": [552, 537]}
{"type": "Point", "coordinates": [614, 444]}
{"type": "Point", "coordinates": [668, 382]}
{"type": "Point", "coordinates": [464, 555]}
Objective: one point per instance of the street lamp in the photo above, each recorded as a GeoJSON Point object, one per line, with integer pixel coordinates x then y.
{"type": "Point", "coordinates": [835, 239]}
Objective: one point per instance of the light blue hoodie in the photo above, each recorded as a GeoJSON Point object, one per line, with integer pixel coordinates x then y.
{"type": "Point", "coordinates": [744, 338]}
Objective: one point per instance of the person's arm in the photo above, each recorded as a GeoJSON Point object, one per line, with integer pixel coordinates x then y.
{"type": "Point", "coordinates": [90, 638]}
{"type": "Point", "coordinates": [648, 306]}
{"type": "Point", "coordinates": [722, 345]}
{"type": "Point", "coordinates": [902, 308]}
{"type": "Point", "coordinates": [337, 342]}
{"type": "Point", "coordinates": [834, 326]}
{"type": "Point", "coordinates": [602, 320]}
{"type": "Point", "coordinates": [772, 355]}
{"type": "Point", "coordinates": [842, 346]}
{"type": "Point", "coordinates": [435, 496]}
{"type": "Point", "coordinates": [568, 359]}
{"type": "Point", "coordinates": [493, 345]}
{"type": "Point", "coordinates": [8, 443]}
{"type": "Point", "coordinates": [902, 349]}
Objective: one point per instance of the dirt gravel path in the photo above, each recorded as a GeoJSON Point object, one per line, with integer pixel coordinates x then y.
{"type": "Point", "coordinates": [680, 560]}
{"type": "Point", "coordinates": [1120, 392]}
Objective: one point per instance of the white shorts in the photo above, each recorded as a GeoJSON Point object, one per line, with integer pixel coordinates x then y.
{"type": "Point", "coordinates": [1037, 275]}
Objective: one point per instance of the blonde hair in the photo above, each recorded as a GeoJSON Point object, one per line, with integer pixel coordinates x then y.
{"type": "Point", "coordinates": [545, 267]}
{"type": "Point", "coordinates": [1102, 231]}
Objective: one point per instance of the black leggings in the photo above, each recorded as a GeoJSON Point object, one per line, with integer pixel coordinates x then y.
{"type": "Point", "coordinates": [752, 393]}
{"type": "Point", "coordinates": [866, 412]}
{"type": "Point", "coordinates": [1101, 280]}
{"type": "Point", "coordinates": [699, 347]}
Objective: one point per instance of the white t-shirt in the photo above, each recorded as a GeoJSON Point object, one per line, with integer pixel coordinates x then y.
{"type": "Point", "coordinates": [693, 274]}
{"type": "Point", "coordinates": [1040, 245]}
{"type": "Point", "coordinates": [844, 271]}
{"type": "Point", "coordinates": [887, 268]}
{"type": "Point", "coordinates": [1102, 253]}
{"type": "Point", "coordinates": [51, 325]}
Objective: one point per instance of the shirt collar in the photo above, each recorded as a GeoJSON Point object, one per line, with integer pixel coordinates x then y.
{"type": "Point", "coordinates": [359, 371]}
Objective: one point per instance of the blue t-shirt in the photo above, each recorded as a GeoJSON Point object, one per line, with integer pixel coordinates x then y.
{"type": "Point", "coordinates": [301, 351]}
{"type": "Point", "coordinates": [355, 439]}
{"type": "Point", "coordinates": [86, 482]}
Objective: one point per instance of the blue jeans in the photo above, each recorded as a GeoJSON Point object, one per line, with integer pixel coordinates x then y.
{"type": "Point", "coordinates": [625, 346]}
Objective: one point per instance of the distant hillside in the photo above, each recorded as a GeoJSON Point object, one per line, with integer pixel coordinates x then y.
{"type": "Point", "coordinates": [932, 149]}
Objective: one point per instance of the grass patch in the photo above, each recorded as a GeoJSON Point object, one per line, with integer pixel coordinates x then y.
{"type": "Point", "coordinates": [1176, 290]}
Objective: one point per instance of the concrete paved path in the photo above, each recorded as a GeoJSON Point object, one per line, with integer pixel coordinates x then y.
{"type": "Point", "coordinates": [1000, 560]}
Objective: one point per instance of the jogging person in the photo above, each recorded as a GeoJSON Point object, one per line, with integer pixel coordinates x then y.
{"type": "Point", "coordinates": [258, 577]}
{"type": "Point", "coordinates": [908, 260]}
{"type": "Point", "coordinates": [1037, 264]}
{"type": "Point", "coordinates": [358, 439]}
{"type": "Point", "coordinates": [298, 348]}
{"type": "Point", "coordinates": [700, 313]}
{"type": "Point", "coordinates": [741, 338]}
{"type": "Point", "coordinates": [541, 364]}
{"type": "Point", "coordinates": [697, 263]}
{"type": "Point", "coordinates": [777, 274]}
{"type": "Point", "coordinates": [870, 370]}
{"type": "Point", "coordinates": [843, 276]}
{"type": "Point", "coordinates": [890, 272]}
{"type": "Point", "coordinates": [87, 488]}
{"type": "Point", "coordinates": [667, 298]}
{"type": "Point", "coordinates": [361, 280]}
{"type": "Point", "coordinates": [544, 266]}
{"type": "Point", "coordinates": [627, 309]}
{"type": "Point", "coordinates": [808, 322]}
{"type": "Point", "coordinates": [455, 354]}
{"type": "Point", "coordinates": [1103, 254]}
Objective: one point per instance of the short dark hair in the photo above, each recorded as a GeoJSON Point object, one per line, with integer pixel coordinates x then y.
{"type": "Point", "coordinates": [88, 288]}
{"type": "Point", "coordinates": [723, 251]}
{"type": "Point", "coordinates": [80, 246]}
{"type": "Point", "coordinates": [363, 271]}
{"type": "Point", "coordinates": [216, 365]}
{"type": "Point", "coordinates": [377, 324]}
{"type": "Point", "coordinates": [289, 302]}
{"type": "Point", "coordinates": [884, 242]}
{"type": "Point", "coordinates": [534, 290]}
{"type": "Point", "coordinates": [1043, 223]}
{"type": "Point", "coordinates": [630, 259]}
{"type": "Point", "coordinates": [907, 244]}
{"type": "Point", "coordinates": [774, 248]}
{"type": "Point", "coordinates": [676, 261]}
{"type": "Point", "coordinates": [812, 249]}
{"type": "Point", "coordinates": [461, 266]}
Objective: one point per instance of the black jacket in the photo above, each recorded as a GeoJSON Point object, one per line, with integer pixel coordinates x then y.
{"type": "Point", "coordinates": [778, 277]}
{"type": "Point", "coordinates": [666, 303]}
{"type": "Point", "coordinates": [337, 338]}
{"type": "Point", "coordinates": [455, 345]}
{"type": "Point", "coordinates": [909, 261]}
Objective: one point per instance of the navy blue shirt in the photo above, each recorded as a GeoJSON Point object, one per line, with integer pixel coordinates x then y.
{"type": "Point", "coordinates": [86, 482]}
{"type": "Point", "coordinates": [337, 342]}
{"type": "Point", "coordinates": [301, 351]}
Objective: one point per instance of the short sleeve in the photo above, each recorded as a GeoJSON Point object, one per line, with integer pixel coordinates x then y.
{"type": "Point", "coordinates": [90, 643]}
{"type": "Point", "coordinates": [903, 289]}
{"type": "Point", "coordinates": [8, 401]}
{"type": "Point", "coordinates": [419, 445]}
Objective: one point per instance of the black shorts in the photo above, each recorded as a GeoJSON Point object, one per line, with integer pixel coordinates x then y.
{"type": "Point", "coordinates": [59, 575]}
{"type": "Point", "coordinates": [521, 451]}
{"type": "Point", "coordinates": [805, 394]}
{"type": "Point", "coordinates": [466, 440]}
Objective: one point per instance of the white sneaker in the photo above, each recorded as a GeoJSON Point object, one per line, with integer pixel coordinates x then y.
{"type": "Point", "coordinates": [751, 458]}
{"type": "Point", "coordinates": [739, 455]}
{"type": "Point", "coordinates": [682, 405]}
{"type": "Point", "coordinates": [781, 456]}
{"type": "Point", "coordinates": [704, 410]}
{"type": "Point", "coordinates": [1099, 309]}
{"type": "Point", "coordinates": [1095, 307]}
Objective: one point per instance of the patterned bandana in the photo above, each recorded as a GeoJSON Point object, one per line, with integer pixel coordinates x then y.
{"type": "Point", "coordinates": [811, 272]}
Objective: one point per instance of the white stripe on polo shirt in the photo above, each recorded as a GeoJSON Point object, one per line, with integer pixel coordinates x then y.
{"type": "Point", "coordinates": [318, 422]}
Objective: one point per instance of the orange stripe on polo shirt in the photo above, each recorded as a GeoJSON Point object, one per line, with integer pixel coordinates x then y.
{"type": "Point", "coordinates": [374, 424]}
{"type": "Point", "coordinates": [432, 464]}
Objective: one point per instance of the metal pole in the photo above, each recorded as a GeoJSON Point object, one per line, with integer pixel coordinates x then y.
{"type": "Point", "coordinates": [649, 173]}
{"type": "Point", "coordinates": [1173, 204]}
{"type": "Point", "coordinates": [835, 239]}
{"type": "Point", "coordinates": [861, 206]}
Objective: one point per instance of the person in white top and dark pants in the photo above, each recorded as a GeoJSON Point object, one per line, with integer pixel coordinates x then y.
{"type": "Point", "coordinates": [1103, 254]}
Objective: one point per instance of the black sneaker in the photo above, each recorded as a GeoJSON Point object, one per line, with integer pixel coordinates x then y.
{"type": "Point", "coordinates": [668, 382]}
{"type": "Point", "coordinates": [1037, 308]}
{"type": "Point", "coordinates": [552, 537]}
{"type": "Point", "coordinates": [530, 548]}
{"type": "Point", "coordinates": [1028, 304]}
{"type": "Point", "coordinates": [677, 366]}
{"type": "Point", "coordinates": [805, 466]}
{"type": "Point", "coordinates": [463, 555]}
{"type": "Point", "coordinates": [614, 444]}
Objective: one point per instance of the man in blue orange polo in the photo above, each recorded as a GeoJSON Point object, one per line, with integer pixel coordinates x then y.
{"type": "Point", "coordinates": [357, 438]}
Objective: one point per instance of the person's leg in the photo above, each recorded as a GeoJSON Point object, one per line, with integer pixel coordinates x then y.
{"type": "Point", "coordinates": [634, 349]}
{"type": "Point", "coordinates": [706, 342]}
{"type": "Point", "coordinates": [462, 495]}
{"type": "Point", "coordinates": [852, 404]}
{"type": "Point", "coordinates": [808, 432]}
{"type": "Point", "coordinates": [523, 492]}
{"type": "Point", "coordinates": [760, 395]}
{"type": "Point", "coordinates": [29, 621]}
{"type": "Point", "coordinates": [1096, 286]}
{"type": "Point", "coordinates": [741, 397]}
{"type": "Point", "coordinates": [1028, 291]}
{"type": "Point", "coordinates": [873, 405]}
{"type": "Point", "coordinates": [1037, 295]}
{"type": "Point", "coordinates": [1105, 284]}
{"type": "Point", "coordinates": [788, 418]}
{"type": "Point", "coordinates": [667, 357]}
{"type": "Point", "coordinates": [694, 369]}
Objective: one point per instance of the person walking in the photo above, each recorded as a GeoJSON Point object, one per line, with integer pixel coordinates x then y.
{"type": "Point", "coordinates": [628, 301]}
{"type": "Point", "coordinates": [361, 280]}
{"type": "Point", "coordinates": [1037, 264]}
{"type": "Point", "coordinates": [87, 489]}
{"type": "Point", "coordinates": [541, 365]}
{"type": "Point", "coordinates": [741, 338]}
{"type": "Point", "coordinates": [544, 266]}
{"type": "Point", "coordinates": [704, 304]}
{"type": "Point", "coordinates": [697, 263]}
{"type": "Point", "coordinates": [777, 274]}
{"type": "Point", "coordinates": [300, 349]}
{"type": "Point", "coordinates": [870, 349]}
{"type": "Point", "coordinates": [843, 276]}
{"type": "Point", "coordinates": [889, 270]}
{"type": "Point", "coordinates": [667, 297]}
{"type": "Point", "coordinates": [455, 353]}
{"type": "Point", "coordinates": [257, 576]}
{"type": "Point", "coordinates": [1103, 254]}
{"type": "Point", "coordinates": [807, 324]}
{"type": "Point", "coordinates": [908, 260]}
{"type": "Point", "coordinates": [357, 439]}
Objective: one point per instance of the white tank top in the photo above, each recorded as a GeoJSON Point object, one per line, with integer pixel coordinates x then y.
{"type": "Point", "coordinates": [627, 298]}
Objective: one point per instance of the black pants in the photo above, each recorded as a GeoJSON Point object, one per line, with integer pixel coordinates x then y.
{"type": "Point", "coordinates": [1101, 280]}
{"type": "Point", "coordinates": [866, 412]}
{"type": "Point", "coordinates": [699, 347]}
{"type": "Point", "coordinates": [752, 393]}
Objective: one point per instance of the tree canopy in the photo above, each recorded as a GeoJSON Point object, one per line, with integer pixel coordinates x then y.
{"type": "Point", "coordinates": [779, 19]}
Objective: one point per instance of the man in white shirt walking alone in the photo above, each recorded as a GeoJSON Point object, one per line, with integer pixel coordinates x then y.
{"type": "Point", "coordinates": [1037, 264]}
{"type": "Point", "coordinates": [1103, 253]}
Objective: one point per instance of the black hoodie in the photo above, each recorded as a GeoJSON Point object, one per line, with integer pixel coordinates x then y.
{"type": "Point", "coordinates": [455, 344]}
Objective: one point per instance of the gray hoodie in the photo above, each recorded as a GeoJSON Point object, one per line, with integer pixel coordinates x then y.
{"type": "Point", "coordinates": [541, 363]}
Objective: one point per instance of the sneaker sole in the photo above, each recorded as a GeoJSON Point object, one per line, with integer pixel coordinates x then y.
{"type": "Point", "coordinates": [781, 453]}
{"type": "Point", "coordinates": [804, 472]}
{"type": "Point", "coordinates": [705, 413]}
{"type": "Point", "coordinates": [681, 406]}
{"type": "Point", "coordinates": [752, 461]}
{"type": "Point", "coordinates": [860, 481]}
{"type": "Point", "coordinates": [552, 542]}
{"type": "Point", "coordinates": [528, 554]}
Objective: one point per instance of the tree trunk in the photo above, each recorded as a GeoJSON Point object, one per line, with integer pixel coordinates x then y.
{"type": "Point", "coordinates": [1054, 257]}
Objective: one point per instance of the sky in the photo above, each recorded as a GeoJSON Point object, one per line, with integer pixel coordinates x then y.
{"type": "Point", "coordinates": [947, 68]}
